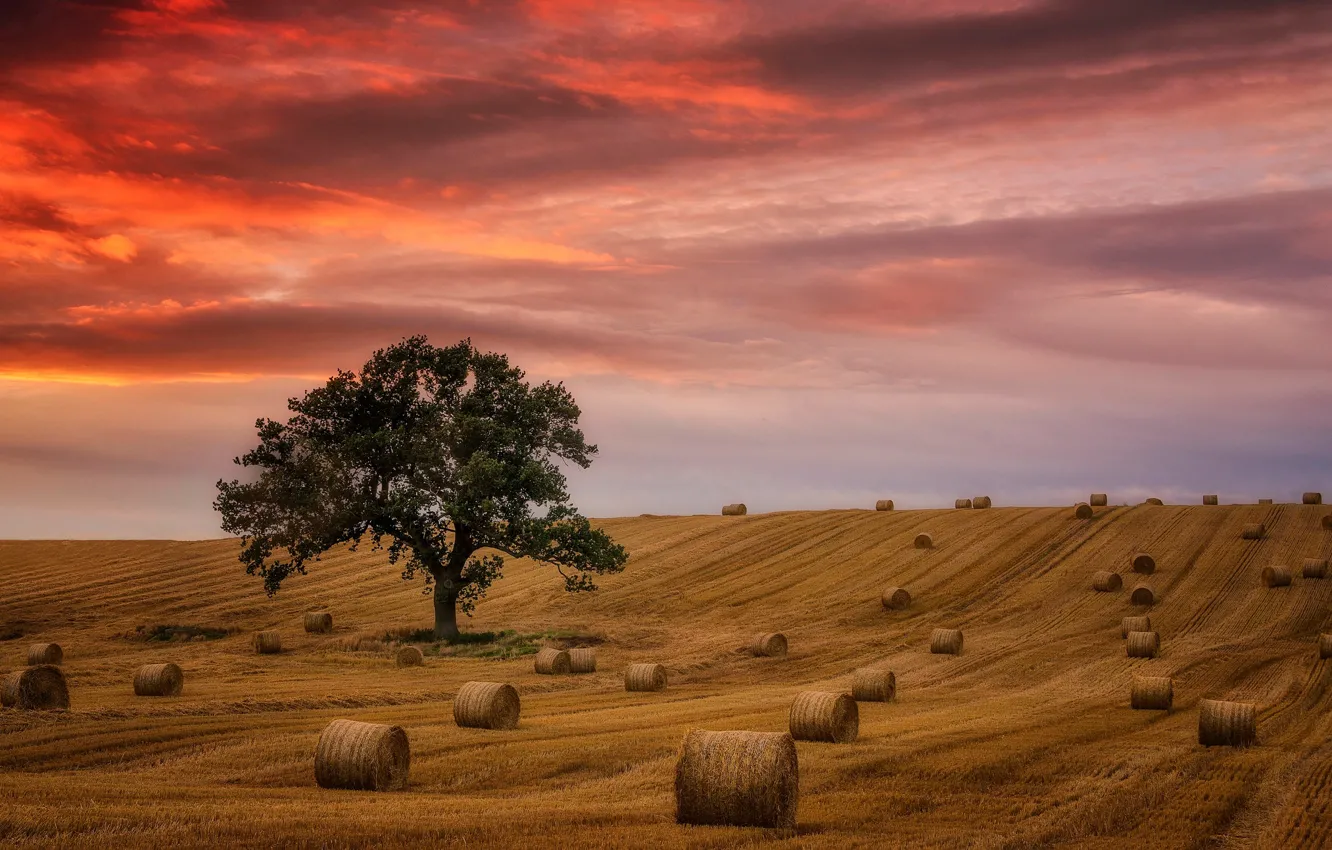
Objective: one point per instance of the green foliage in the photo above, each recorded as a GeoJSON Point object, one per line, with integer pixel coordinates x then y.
{"type": "Point", "coordinates": [497, 645]}
{"type": "Point", "coordinates": [161, 632]}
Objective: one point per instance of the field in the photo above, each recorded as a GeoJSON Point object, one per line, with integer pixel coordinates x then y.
{"type": "Point", "coordinates": [1025, 740]}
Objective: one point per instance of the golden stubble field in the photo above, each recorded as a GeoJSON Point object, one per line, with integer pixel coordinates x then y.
{"type": "Point", "coordinates": [1026, 740]}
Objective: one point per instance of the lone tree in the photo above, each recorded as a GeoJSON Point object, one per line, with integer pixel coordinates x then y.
{"type": "Point", "coordinates": [445, 453]}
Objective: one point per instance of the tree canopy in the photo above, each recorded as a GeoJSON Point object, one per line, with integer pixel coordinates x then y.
{"type": "Point", "coordinates": [445, 457]}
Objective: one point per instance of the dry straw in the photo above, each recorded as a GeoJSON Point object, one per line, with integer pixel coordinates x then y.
{"type": "Point", "coordinates": [552, 662]}
{"type": "Point", "coordinates": [1227, 724]}
{"type": "Point", "coordinates": [318, 622]}
{"type": "Point", "coordinates": [895, 598]}
{"type": "Point", "coordinates": [1143, 644]}
{"type": "Point", "coordinates": [267, 643]}
{"type": "Point", "coordinates": [883, 505]}
{"type": "Point", "coordinates": [41, 687]}
{"type": "Point", "coordinates": [1144, 563]}
{"type": "Point", "coordinates": [1134, 624]}
{"type": "Point", "coordinates": [1098, 500]}
{"type": "Point", "coordinates": [962, 503]}
{"type": "Point", "coordinates": [821, 716]}
{"type": "Point", "coordinates": [1107, 582]}
{"type": "Point", "coordinates": [872, 685]}
{"type": "Point", "coordinates": [924, 541]}
{"type": "Point", "coordinates": [1143, 595]}
{"type": "Point", "coordinates": [1253, 531]}
{"type": "Point", "coordinates": [1210, 499]}
{"type": "Point", "coordinates": [158, 680]}
{"type": "Point", "coordinates": [946, 642]}
{"type": "Point", "coordinates": [583, 660]}
{"type": "Point", "coordinates": [1153, 501]}
{"type": "Point", "coordinates": [1082, 510]}
{"type": "Point", "coordinates": [770, 645]}
{"type": "Point", "coordinates": [1276, 576]}
{"type": "Point", "coordinates": [645, 677]}
{"type": "Point", "coordinates": [1314, 568]}
{"type": "Point", "coordinates": [486, 705]}
{"type": "Point", "coordinates": [737, 509]}
{"type": "Point", "coordinates": [1153, 693]}
{"type": "Point", "coordinates": [362, 756]}
{"type": "Point", "coordinates": [45, 653]}
{"type": "Point", "coordinates": [1325, 646]}
{"type": "Point", "coordinates": [408, 656]}
{"type": "Point", "coordinates": [982, 502]}
{"type": "Point", "coordinates": [737, 779]}
{"type": "Point", "coordinates": [1312, 498]}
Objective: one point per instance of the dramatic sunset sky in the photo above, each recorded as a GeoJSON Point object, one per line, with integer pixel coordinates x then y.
{"type": "Point", "coordinates": [800, 254]}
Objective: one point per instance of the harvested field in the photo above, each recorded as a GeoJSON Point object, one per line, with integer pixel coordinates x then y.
{"type": "Point", "coordinates": [1027, 739]}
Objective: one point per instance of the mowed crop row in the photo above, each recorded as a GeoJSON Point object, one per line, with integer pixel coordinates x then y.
{"type": "Point", "coordinates": [1026, 739]}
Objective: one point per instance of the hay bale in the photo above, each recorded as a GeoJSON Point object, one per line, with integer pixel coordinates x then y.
{"type": "Point", "coordinates": [408, 656]}
{"type": "Point", "coordinates": [1314, 568]}
{"type": "Point", "coordinates": [1264, 501]}
{"type": "Point", "coordinates": [486, 705]}
{"type": "Point", "coordinates": [583, 660]}
{"type": "Point", "coordinates": [1134, 624]}
{"type": "Point", "coordinates": [821, 716]}
{"type": "Point", "coordinates": [924, 541]}
{"type": "Point", "coordinates": [38, 688]}
{"type": "Point", "coordinates": [737, 509]}
{"type": "Point", "coordinates": [1312, 498]}
{"type": "Point", "coordinates": [553, 662]}
{"type": "Point", "coordinates": [267, 643]}
{"type": "Point", "coordinates": [1153, 693]}
{"type": "Point", "coordinates": [883, 505]}
{"type": "Point", "coordinates": [159, 680]}
{"type": "Point", "coordinates": [1105, 581]}
{"type": "Point", "coordinates": [1098, 500]}
{"type": "Point", "coordinates": [318, 622]}
{"type": "Point", "coordinates": [768, 646]}
{"type": "Point", "coordinates": [1327, 522]}
{"type": "Point", "coordinates": [1142, 595]}
{"type": "Point", "coordinates": [1153, 501]}
{"type": "Point", "coordinates": [1210, 499]}
{"type": "Point", "coordinates": [362, 756]}
{"type": "Point", "coordinates": [1143, 644]}
{"type": "Point", "coordinates": [946, 642]}
{"type": "Point", "coordinates": [45, 653]}
{"type": "Point", "coordinates": [1276, 576]}
{"type": "Point", "coordinates": [872, 685]}
{"type": "Point", "coordinates": [737, 779]}
{"type": "Point", "coordinates": [895, 598]}
{"type": "Point", "coordinates": [1325, 646]}
{"type": "Point", "coordinates": [962, 503]}
{"type": "Point", "coordinates": [645, 677]}
{"type": "Point", "coordinates": [1082, 510]}
{"type": "Point", "coordinates": [981, 502]}
{"type": "Point", "coordinates": [1227, 724]}
{"type": "Point", "coordinates": [1254, 531]}
{"type": "Point", "coordinates": [1144, 563]}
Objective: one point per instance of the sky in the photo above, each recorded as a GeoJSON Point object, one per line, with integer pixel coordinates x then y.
{"type": "Point", "coordinates": [800, 255]}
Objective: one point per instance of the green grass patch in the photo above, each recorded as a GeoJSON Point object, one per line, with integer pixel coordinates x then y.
{"type": "Point", "coordinates": [165, 633]}
{"type": "Point", "coordinates": [500, 645]}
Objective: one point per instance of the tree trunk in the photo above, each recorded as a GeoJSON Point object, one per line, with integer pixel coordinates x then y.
{"type": "Point", "coordinates": [446, 609]}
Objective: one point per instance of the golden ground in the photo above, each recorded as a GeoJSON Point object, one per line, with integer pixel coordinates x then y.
{"type": "Point", "coordinates": [1026, 740]}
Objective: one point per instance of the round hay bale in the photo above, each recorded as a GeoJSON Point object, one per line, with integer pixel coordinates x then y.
{"type": "Point", "coordinates": [486, 705]}
{"type": "Point", "coordinates": [1264, 501]}
{"type": "Point", "coordinates": [895, 598]}
{"type": "Point", "coordinates": [1134, 624]}
{"type": "Point", "coordinates": [1153, 693]}
{"type": "Point", "coordinates": [267, 643]}
{"type": "Point", "coordinates": [645, 677]}
{"type": "Point", "coordinates": [1327, 522]}
{"type": "Point", "coordinates": [962, 503]}
{"type": "Point", "coordinates": [583, 660]}
{"type": "Point", "coordinates": [1312, 498]}
{"type": "Point", "coordinates": [159, 680]}
{"type": "Point", "coordinates": [1153, 501]}
{"type": "Point", "coordinates": [1276, 576]}
{"type": "Point", "coordinates": [45, 653]}
{"type": "Point", "coordinates": [1325, 646]}
{"type": "Point", "coordinates": [737, 779]}
{"type": "Point", "coordinates": [883, 505]}
{"type": "Point", "coordinates": [1098, 500]}
{"type": "Point", "coordinates": [946, 642]}
{"type": "Point", "coordinates": [1082, 510]}
{"type": "Point", "coordinates": [737, 509]}
{"type": "Point", "coordinates": [872, 685]}
{"type": "Point", "coordinates": [1210, 499]}
{"type": "Point", "coordinates": [1314, 568]}
{"type": "Point", "coordinates": [1254, 531]}
{"type": "Point", "coordinates": [821, 716]}
{"type": "Point", "coordinates": [1143, 644]}
{"type": "Point", "coordinates": [1105, 581]}
{"type": "Point", "coordinates": [553, 662]}
{"type": "Point", "coordinates": [1142, 595]}
{"type": "Point", "coordinates": [408, 656]}
{"type": "Point", "coordinates": [769, 646]}
{"type": "Point", "coordinates": [362, 756]}
{"type": "Point", "coordinates": [38, 688]}
{"type": "Point", "coordinates": [924, 541]}
{"type": "Point", "coordinates": [318, 622]}
{"type": "Point", "coordinates": [1144, 563]}
{"type": "Point", "coordinates": [982, 502]}
{"type": "Point", "coordinates": [1227, 724]}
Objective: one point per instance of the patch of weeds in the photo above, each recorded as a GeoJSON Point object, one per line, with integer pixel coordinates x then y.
{"type": "Point", "coordinates": [505, 644]}
{"type": "Point", "coordinates": [165, 633]}
{"type": "Point", "coordinates": [11, 633]}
